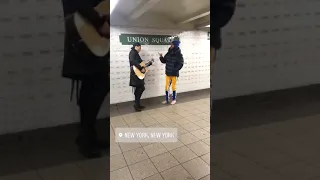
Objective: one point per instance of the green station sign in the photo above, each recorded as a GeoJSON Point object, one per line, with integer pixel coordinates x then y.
{"type": "Point", "coordinates": [129, 39]}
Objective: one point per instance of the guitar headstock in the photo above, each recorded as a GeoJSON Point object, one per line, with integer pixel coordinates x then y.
{"type": "Point", "coordinates": [103, 8]}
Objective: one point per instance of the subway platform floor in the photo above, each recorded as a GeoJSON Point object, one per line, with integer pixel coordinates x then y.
{"type": "Point", "coordinates": [186, 159]}
{"type": "Point", "coordinates": [265, 136]}
{"type": "Point", "coordinates": [50, 153]}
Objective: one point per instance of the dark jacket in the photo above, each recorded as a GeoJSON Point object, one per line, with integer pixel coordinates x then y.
{"type": "Point", "coordinates": [135, 60]}
{"type": "Point", "coordinates": [174, 61]}
{"type": "Point", "coordinates": [78, 61]}
{"type": "Point", "coordinates": [221, 13]}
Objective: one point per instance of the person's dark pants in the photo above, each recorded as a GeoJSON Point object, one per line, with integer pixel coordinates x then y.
{"type": "Point", "coordinates": [137, 94]}
{"type": "Point", "coordinates": [213, 57]}
{"type": "Point", "coordinates": [92, 94]}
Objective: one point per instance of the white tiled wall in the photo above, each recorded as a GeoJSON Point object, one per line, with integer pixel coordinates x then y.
{"type": "Point", "coordinates": [32, 92]}
{"type": "Point", "coordinates": [194, 75]}
{"type": "Point", "coordinates": [269, 45]}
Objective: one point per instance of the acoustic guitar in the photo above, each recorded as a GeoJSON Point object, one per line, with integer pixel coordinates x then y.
{"type": "Point", "coordinates": [96, 43]}
{"type": "Point", "coordinates": [139, 74]}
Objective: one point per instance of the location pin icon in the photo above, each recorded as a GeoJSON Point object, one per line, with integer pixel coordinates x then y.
{"type": "Point", "coordinates": [120, 134]}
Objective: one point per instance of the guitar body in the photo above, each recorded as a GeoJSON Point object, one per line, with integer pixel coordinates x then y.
{"type": "Point", "coordinates": [97, 44]}
{"type": "Point", "coordinates": [140, 74]}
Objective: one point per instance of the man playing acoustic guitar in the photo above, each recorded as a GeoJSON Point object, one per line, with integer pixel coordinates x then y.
{"type": "Point", "coordinates": [221, 13]}
{"type": "Point", "coordinates": [174, 62]}
{"type": "Point", "coordinates": [135, 82]}
{"type": "Point", "coordinates": [81, 65]}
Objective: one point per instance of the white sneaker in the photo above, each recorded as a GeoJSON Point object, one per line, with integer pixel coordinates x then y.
{"type": "Point", "coordinates": [165, 102]}
{"type": "Point", "coordinates": [173, 102]}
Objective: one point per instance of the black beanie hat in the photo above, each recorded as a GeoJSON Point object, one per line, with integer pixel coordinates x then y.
{"type": "Point", "coordinates": [136, 44]}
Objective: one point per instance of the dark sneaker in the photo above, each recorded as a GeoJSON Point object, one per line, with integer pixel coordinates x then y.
{"type": "Point", "coordinates": [88, 150]}
{"type": "Point", "coordinates": [137, 108]}
{"type": "Point", "coordinates": [103, 144]}
{"type": "Point", "coordinates": [90, 153]}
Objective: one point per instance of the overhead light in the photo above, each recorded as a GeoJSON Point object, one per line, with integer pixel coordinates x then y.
{"type": "Point", "coordinates": [207, 25]}
{"type": "Point", "coordinates": [113, 4]}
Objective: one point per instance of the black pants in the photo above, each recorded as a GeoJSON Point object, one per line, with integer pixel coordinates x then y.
{"type": "Point", "coordinates": [138, 93]}
{"type": "Point", "coordinates": [92, 94]}
{"type": "Point", "coordinates": [212, 60]}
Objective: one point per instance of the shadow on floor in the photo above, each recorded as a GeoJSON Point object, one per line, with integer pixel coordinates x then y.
{"type": "Point", "coordinates": [42, 148]}
{"type": "Point", "coordinates": [247, 111]}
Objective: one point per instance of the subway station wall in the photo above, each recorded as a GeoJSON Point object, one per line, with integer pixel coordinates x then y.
{"type": "Point", "coordinates": [194, 75]}
{"type": "Point", "coordinates": [32, 92]}
{"type": "Point", "coordinates": [269, 45]}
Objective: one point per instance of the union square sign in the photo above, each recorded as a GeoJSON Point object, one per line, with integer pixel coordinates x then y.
{"type": "Point", "coordinates": [129, 39]}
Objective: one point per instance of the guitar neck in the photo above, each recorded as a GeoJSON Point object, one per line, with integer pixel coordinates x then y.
{"type": "Point", "coordinates": [148, 63]}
